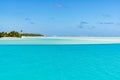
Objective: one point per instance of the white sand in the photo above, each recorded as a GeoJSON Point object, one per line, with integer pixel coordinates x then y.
{"type": "Point", "coordinates": [60, 40]}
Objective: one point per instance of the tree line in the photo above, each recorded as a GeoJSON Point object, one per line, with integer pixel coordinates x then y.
{"type": "Point", "coordinates": [10, 34]}
{"type": "Point", "coordinates": [17, 34]}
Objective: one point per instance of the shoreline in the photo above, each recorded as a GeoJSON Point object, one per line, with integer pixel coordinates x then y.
{"type": "Point", "coordinates": [59, 40]}
{"type": "Point", "coordinates": [76, 38]}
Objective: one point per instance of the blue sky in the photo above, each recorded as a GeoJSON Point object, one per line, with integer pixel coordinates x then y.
{"type": "Point", "coordinates": [61, 17]}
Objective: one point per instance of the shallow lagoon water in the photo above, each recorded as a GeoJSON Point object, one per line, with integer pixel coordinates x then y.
{"type": "Point", "coordinates": [60, 40]}
{"type": "Point", "coordinates": [60, 62]}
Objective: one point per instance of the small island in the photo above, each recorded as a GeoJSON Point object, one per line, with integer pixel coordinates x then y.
{"type": "Point", "coordinates": [18, 35]}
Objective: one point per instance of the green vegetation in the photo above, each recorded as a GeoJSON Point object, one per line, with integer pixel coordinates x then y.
{"type": "Point", "coordinates": [3, 34]}
{"type": "Point", "coordinates": [30, 34]}
{"type": "Point", "coordinates": [17, 34]}
{"type": "Point", "coordinates": [10, 34]}
{"type": "Point", "coordinates": [14, 34]}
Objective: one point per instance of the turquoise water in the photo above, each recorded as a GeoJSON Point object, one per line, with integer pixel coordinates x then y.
{"type": "Point", "coordinates": [60, 40]}
{"type": "Point", "coordinates": [60, 62]}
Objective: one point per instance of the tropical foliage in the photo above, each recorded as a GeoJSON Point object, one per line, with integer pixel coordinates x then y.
{"type": "Point", "coordinates": [30, 34]}
{"type": "Point", "coordinates": [10, 34]}
{"type": "Point", "coordinates": [17, 34]}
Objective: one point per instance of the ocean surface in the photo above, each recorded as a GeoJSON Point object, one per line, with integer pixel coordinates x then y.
{"type": "Point", "coordinates": [60, 58]}
{"type": "Point", "coordinates": [60, 62]}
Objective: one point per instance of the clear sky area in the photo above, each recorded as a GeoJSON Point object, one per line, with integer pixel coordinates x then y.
{"type": "Point", "coordinates": [61, 17]}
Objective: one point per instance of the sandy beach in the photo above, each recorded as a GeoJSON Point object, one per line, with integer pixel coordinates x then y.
{"type": "Point", "coordinates": [60, 40]}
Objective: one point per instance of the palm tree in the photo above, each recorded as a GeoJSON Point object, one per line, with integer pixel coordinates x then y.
{"type": "Point", "coordinates": [3, 34]}
{"type": "Point", "coordinates": [14, 34]}
{"type": "Point", "coordinates": [21, 31]}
